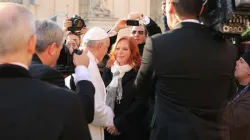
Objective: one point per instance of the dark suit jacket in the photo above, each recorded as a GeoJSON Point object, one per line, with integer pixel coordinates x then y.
{"type": "Point", "coordinates": [35, 110]}
{"type": "Point", "coordinates": [130, 111]}
{"type": "Point", "coordinates": [84, 88]}
{"type": "Point", "coordinates": [237, 117]}
{"type": "Point", "coordinates": [194, 73]}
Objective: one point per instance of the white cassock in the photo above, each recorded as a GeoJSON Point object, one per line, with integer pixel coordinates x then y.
{"type": "Point", "coordinates": [103, 116]}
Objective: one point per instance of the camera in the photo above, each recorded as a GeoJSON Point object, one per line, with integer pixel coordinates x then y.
{"type": "Point", "coordinates": [65, 61]}
{"type": "Point", "coordinates": [77, 23]}
{"type": "Point", "coordinates": [231, 18]}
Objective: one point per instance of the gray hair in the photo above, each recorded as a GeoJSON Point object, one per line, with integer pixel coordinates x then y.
{"type": "Point", "coordinates": [16, 27]}
{"type": "Point", "coordinates": [48, 32]}
{"type": "Point", "coordinates": [92, 43]}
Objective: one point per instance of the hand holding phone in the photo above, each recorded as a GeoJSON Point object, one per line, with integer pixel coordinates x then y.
{"type": "Point", "coordinates": [132, 22]}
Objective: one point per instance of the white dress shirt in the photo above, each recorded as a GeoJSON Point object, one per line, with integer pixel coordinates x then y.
{"type": "Point", "coordinates": [18, 64]}
{"type": "Point", "coordinates": [104, 115]}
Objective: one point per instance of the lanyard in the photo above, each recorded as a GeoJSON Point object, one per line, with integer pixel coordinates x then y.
{"type": "Point", "coordinates": [241, 92]}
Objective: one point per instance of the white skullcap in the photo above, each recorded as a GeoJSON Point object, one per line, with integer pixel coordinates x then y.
{"type": "Point", "coordinates": [95, 33]}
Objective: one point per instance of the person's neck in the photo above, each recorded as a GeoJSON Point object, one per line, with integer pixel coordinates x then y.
{"type": "Point", "coordinates": [95, 54]}
{"type": "Point", "coordinates": [15, 58]}
{"type": "Point", "coordinates": [244, 82]}
{"type": "Point", "coordinates": [121, 64]}
{"type": "Point", "coordinates": [181, 19]}
{"type": "Point", "coordinates": [44, 59]}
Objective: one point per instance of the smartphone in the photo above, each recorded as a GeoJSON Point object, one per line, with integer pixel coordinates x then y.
{"type": "Point", "coordinates": [132, 22]}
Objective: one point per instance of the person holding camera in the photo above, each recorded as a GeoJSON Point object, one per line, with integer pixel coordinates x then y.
{"type": "Point", "coordinates": [48, 47]}
{"type": "Point", "coordinates": [32, 109]}
{"type": "Point", "coordinates": [147, 27]}
{"type": "Point", "coordinates": [75, 37]}
{"type": "Point", "coordinates": [75, 28]}
{"type": "Point", "coordinates": [194, 74]}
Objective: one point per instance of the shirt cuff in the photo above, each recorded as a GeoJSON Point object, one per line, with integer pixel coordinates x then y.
{"type": "Point", "coordinates": [82, 73]}
{"type": "Point", "coordinates": [112, 33]}
{"type": "Point", "coordinates": [145, 20]}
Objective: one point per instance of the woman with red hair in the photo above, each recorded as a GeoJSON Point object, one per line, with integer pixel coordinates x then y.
{"type": "Point", "coordinates": [118, 77]}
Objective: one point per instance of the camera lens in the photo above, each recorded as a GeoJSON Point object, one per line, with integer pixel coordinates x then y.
{"type": "Point", "coordinates": [79, 23]}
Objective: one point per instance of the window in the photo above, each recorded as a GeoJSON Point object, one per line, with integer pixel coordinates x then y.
{"type": "Point", "coordinates": [32, 1]}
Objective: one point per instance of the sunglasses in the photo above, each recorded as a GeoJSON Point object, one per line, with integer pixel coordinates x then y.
{"type": "Point", "coordinates": [139, 32]}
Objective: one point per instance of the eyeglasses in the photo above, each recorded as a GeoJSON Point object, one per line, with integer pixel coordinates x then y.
{"type": "Point", "coordinates": [139, 32]}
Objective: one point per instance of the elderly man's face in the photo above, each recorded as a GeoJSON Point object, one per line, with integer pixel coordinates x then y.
{"type": "Point", "coordinates": [138, 33]}
{"type": "Point", "coordinates": [242, 69]}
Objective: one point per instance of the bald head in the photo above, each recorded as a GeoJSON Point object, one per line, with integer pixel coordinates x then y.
{"type": "Point", "coordinates": [16, 28]}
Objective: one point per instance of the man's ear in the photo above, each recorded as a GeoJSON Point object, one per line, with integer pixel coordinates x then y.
{"type": "Point", "coordinates": [52, 49]}
{"type": "Point", "coordinates": [32, 45]}
{"type": "Point", "coordinates": [99, 46]}
{"type": "Point", "coordinates": [170, 8]}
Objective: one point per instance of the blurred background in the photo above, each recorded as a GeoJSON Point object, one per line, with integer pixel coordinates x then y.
{"type": "Point", "coordinates": [105, 14]}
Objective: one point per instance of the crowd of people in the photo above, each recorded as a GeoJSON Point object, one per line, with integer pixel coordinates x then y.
{"type": "Point", "coordinates": [180, 84]}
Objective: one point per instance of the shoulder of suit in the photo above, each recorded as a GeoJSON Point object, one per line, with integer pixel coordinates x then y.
{"type": "Point", "coordinates": [45, 87]}
{"type": "Point", "coordinates": [165, 35]}
{"type": "Point", "coordinates": [40, 69]}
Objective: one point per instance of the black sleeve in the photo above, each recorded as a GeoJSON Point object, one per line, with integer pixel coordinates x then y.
{"type": "Point", "coordinates": [54, 77]}
{"type": "Point", "coordinates": [153, 28]}
{"type": "Point", "coordinates": [76, 127]}
{"type": "Point", "coordinates": [86, 92]}
{"type": "Point", "coordinates": [145, 73]}
{"type": "Point", "coordinates": [112, 42]}
{"type": "Point", "coordinates": [107, 76]}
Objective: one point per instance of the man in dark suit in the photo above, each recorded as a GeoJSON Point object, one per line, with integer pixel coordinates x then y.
{"type": "Point", "coordinates": [194, 74]}
{"type": "Point", "coordinates": [48, 47]}
{"type": "Point", "coordinates": [31, 109]}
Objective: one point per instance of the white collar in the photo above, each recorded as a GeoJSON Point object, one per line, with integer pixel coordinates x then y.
{"type": "Point", "coordinates": [18, 64]}
{"type": "Point", "coordinates": [191, 20]}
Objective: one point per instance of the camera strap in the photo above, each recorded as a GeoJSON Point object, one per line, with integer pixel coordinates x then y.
{"type": "Point", "coordinates": [203, 6]}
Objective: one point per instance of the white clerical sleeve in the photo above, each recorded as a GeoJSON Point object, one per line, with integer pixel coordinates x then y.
{"type": "Point", "coordinates": [103, 113]}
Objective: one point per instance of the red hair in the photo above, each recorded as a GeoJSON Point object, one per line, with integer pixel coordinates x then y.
{"type": "Point", "coordinates": [135, 58]}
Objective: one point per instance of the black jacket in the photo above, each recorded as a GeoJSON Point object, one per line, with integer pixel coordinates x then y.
{"type": "Point", "coordinates": [194, 73]}
{"type": "Point", "coordinates": [35, 110]}
{"type": "Point", "coordinates": [84, 88]}
{"type": "Point", "coordinates": [237, 117]}
{"type": "Point", "coordinates": [130, 111]}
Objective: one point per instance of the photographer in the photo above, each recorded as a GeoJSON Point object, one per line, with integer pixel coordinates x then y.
{"type": "Point", "coordinates": [75, 37]}
{"type": "Point", "coordinates": [76, 28]}
{"type": "Point", "coordinates": [48, 47]}
{"type": "Point", "coordinates": [148, 27]}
